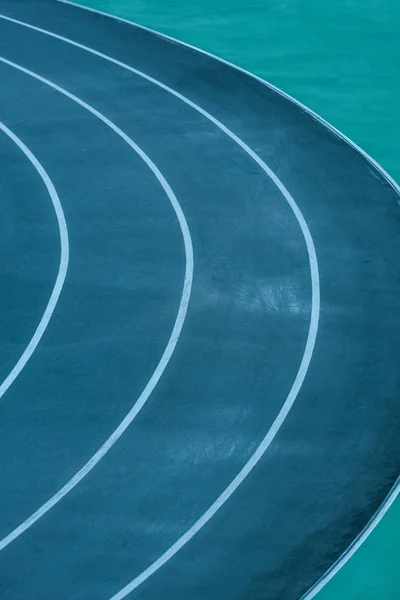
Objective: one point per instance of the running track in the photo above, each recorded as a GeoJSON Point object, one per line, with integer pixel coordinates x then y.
{"type": "Point", "coordinates": [196, 267]}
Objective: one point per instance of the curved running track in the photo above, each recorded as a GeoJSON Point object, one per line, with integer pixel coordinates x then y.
{"type": "Point", "coordinates": [154, 152]}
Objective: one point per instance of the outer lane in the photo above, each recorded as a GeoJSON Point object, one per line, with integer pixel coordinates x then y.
{"type": "Point", "coordinates": [349, 242]}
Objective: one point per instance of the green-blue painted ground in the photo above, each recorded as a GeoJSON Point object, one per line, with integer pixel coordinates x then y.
{"type": "Point", "coordinates": [341, 58]}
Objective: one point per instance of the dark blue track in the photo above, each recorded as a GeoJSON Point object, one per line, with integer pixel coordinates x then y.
{"type": "Point", "coordinates": [338, 452]}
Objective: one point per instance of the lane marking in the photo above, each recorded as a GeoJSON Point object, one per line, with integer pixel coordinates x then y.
{"type": "Point", "coordinates": [394, 493]}
{"type": "Point", "coordinates": [62, 268]}
{"type": "Point", "coordinates": [173, 339]}
{"type": "Point", "coordinates": [311, 338]}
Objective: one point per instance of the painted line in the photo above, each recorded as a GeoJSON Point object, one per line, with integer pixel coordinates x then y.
{"type": "Point", "coordinates": [311, 338]}
{"type": "Point", "coordinates": [62, 268]}
{"type": "Point", "coordinates": [173, 339]}
{"type": "Point", "coordinates": [395, 491]}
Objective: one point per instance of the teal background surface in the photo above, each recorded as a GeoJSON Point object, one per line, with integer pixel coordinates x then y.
{"type": "Point", "coordinates": [342, 59]}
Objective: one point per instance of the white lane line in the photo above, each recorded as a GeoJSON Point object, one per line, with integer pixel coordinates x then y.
{"type": "Point", "coordinates": [311, 338]}
{"type": "Point", "coordinates": [395, 492]}
{"type": "Point", "coordinates": [62, 268]}
{"type": "Point", "coordinates": [173, 339]}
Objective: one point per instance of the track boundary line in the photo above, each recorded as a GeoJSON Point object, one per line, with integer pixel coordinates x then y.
{"type": "Point", "coordinates": [356, 544]}
{"type": "Point", "coordinates": [311, 338]}
{"type": "Point", "coordinates": [173, 339]}
{"type": "Point", "coordinates": [62, 268]}
{"type": "Point", "coordinates": [395, 491]}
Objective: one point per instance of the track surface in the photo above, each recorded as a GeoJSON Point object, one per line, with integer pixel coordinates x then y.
{"type": "Point", "coordinates": [243, 340]}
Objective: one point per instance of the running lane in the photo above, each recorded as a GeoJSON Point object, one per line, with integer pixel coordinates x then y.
{"type": "Point", "coordinates": [241, 346]}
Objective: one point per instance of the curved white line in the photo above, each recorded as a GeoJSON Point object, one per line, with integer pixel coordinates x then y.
{"type": "Point", "coordinates": [62, 268]}
{"type": "Point", "coordinates": [395, 492]}
{"type": "Point", "coordinates": [311, 338]}
{"type": "Point", "coordinates": [173, 339]}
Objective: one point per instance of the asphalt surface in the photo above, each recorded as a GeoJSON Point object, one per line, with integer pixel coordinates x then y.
{"type": "Point", "coordinates": [338, 451]}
